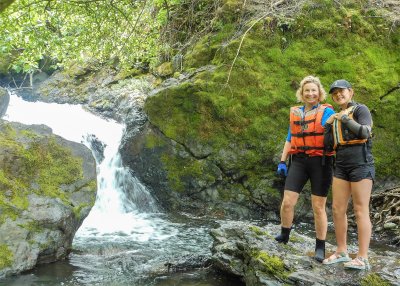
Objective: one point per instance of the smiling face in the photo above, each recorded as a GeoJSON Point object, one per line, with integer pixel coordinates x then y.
{"type": "Point", "coordinates": [342, 96]}
{"type": "Point", "coordinates": [310, 94]}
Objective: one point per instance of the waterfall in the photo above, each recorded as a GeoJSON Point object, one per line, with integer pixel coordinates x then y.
{"type": "Point", "coordinates": [125, 239]}
{"type": "Point", "coordinates": [122, 202]}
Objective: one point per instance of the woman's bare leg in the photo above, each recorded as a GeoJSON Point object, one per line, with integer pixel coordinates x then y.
{"type": "Point", "coordinates": [361, 194]}
{"type": "Point", "coordinates": [340, 199]}
{"type": "Point", "coordinates": [320, 218]}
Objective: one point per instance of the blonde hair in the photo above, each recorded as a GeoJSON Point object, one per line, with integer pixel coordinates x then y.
{"type": "Point", "coordinates": [314, 80]}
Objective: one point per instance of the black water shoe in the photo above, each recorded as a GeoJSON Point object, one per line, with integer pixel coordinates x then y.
{"type": "Point", "coordinates": [319, 250]}
{"type": "Point", "coordinates": [284, 236]}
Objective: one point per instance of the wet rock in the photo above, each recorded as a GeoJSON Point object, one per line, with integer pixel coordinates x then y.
{"type": "Point", "coordinates": [187, 263]}
{"type": "Point", "coordinates": [251, 253]}
{"type": "Point", "coordinates": [390, 225]}
{"type": "Point", "coordinates": [50, 184]}
{"type": "Point", "coordinates": [4, 101]}
{"type": "Point", "coordinates": [96, 146]}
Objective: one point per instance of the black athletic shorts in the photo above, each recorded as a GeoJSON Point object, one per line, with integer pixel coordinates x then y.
{"type": "Point", "coordinates": [304, 168]}
{"type": "Point", "coordinates": [355, 174]}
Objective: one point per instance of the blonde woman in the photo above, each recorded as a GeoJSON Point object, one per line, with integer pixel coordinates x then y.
{"type": "Point", "coordinates": [309, 161]}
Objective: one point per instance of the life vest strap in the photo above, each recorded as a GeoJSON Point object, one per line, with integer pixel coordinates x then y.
{"type": "Point", "coordinates": [302, 122]}
{"type": "Point", "coordinates": [304, 134]}
{"type": "Point", "coordinates": [305, 148]}
{"type": "Point", "coordinates": [349, 144]}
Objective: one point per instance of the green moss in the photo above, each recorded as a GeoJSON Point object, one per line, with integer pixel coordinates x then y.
{"type": "Point", "coordinates": [78, 209]}
{"type": "Point", "coordinates": [5, 64]}
{"type": "Point", "coordinates": [258, 231]}
{"type": "Point", "coordinates": [296, 238]}
{"type": "Point", "coordinates": [273, 265]}
{"type": "Point", "coordinates": [153, 141]}
{"type": "Point", "coordinates": [91, 187]}
{"type": "Point", "coordinates": [374, 279]}
{"type": "Point", "coordinates": [32, 226]}
{"type": "Point", "coordinates": [126, 72]}
{"type": "Point", "coordinates": [165, 69]}
{"type": "Point", "coordinates": [250, 111]}
{"type": "Point", "coordinates": [182, 171]}
{"type": "Point", "coordinates": [233, 192]}
{"type": "Point", "coordinates": [56, 167]}
{"type": "Point", "coordinates": [201, 54]}
{"type": "Point", "coordinates": [41, 166]}
{"type": "Point", "coordinates": [6, 256]}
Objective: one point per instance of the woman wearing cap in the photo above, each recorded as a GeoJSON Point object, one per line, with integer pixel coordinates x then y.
{"type": "Point", "coordinates": [349, 134]}
{"type": "Point", "coordinates": [305, 144]}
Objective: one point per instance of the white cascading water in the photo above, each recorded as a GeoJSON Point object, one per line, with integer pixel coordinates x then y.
{"type": "Point", "coordinates": [113, 213]}
{"type": "Point", "coordinates": [125, 238]}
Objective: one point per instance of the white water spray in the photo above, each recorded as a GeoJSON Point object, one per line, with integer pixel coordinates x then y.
{"type": "Point", "coordinates": [114, 215]}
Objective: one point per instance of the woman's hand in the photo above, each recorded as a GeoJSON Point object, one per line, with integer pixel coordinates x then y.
{"type": "Point", "coordinates": [338, 116]}
{"type": "Point", "coordinates": [331, 118]}
{"type": "Point", "coordinates": [344, 114]}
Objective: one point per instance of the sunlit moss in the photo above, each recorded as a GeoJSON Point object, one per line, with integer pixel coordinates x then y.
{"type": "Point", "coordinates": [6, 256]}
{"type": "Point", "coordinates": [182, 171]}
{"type": "Point", "coordinates": [273, 265]}
{"type": "Point", "coordinates": [258, 231]}
{"type": "Point", "coordinates": [152, 141]}
{"type": "Point", "coordinates": [40, 166]}
{"type": "Point", "coordinates": [374, 279]}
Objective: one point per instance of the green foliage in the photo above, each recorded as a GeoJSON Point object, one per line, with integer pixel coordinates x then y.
{"type": "Point", "coordinates": [66, 31]}
{"type": "Point", "coordinates": [6, 256]}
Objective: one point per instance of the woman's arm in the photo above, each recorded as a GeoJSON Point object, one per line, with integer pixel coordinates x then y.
{"type": "Point", "coordinates": [362, 125]}
{"type": "Point", "coordinates": [285, 152]}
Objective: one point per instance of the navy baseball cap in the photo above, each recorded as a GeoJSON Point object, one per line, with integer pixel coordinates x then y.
{"type": "Point", "coordinates": [340, 83]}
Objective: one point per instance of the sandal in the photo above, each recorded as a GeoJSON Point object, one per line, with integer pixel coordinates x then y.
{"type": "Point", "coordinates": [359, 263]}
{"type": "Point", "coordinates": [336, 258]}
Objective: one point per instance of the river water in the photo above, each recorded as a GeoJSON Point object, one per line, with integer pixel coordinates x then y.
{"type": "Point", "coordinates": [126, 239]}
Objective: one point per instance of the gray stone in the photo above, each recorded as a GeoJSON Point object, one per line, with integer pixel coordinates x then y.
{"type": "Point", "coordinates": [4, 101]}
{"type": "Point", "coordinates": [41, 229]}
{"type": "Point", "coordinates": [251, 252]}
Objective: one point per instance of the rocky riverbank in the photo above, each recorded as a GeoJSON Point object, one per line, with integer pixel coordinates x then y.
{"type": "Point", "coordinates": [250, 252]}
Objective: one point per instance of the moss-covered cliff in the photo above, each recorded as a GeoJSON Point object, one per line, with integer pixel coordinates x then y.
{"type": "Point", "coordinates": [234, 113]}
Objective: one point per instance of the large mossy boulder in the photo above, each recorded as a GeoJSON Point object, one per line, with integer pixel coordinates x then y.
{"type": "Point", "coordinates": [47, 188]}
{"type": "Point", "coordinates": [234, 117]}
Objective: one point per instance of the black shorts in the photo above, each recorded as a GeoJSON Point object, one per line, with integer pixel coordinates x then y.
{"type": "Point", "coordinates": [355, 174]}
{"type": "Point", "coordinates": [305, 168]}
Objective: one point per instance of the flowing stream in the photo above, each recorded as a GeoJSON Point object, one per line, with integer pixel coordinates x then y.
{"type": "Point", "coordinates": [126, 239]}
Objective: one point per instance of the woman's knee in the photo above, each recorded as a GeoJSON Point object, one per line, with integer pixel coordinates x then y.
{"type": "Point", "coordinates": [338, 211]}
{"type": "Point", "coordinates": [288, 203]}
{"type": "Point", "coordinates": [361, 213]}
{"type": "Point", "coordinates": [319, 209]}
{"type": "Point", "coordinates": [318, 204]}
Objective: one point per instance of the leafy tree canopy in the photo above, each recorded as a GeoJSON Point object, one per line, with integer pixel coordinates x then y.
{"type": "Point", "coordinates": [70, 30]}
